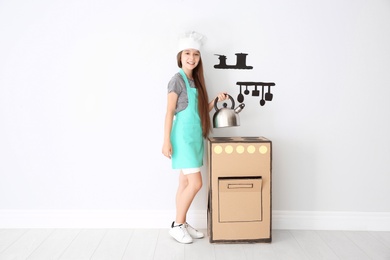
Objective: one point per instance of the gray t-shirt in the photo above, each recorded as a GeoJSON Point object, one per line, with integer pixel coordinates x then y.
{"type": "Point", "coordinates": [177, 85]}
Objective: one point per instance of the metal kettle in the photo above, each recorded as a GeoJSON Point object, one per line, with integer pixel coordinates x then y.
{"type": "Point", "coordinates": [226, 117]}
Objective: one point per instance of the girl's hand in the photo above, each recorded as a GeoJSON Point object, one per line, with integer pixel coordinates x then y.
{"type": "Point", "coordinates": [222, 96]}
{"type": "Point", "coordinates": [167, 149]}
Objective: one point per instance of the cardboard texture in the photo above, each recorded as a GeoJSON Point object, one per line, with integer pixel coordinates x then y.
{"type": "Point", "coordinates": [239, 203]}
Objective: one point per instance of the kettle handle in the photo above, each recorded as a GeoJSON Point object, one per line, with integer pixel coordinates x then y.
{"type": "Point", "coordinates": [224, 104]}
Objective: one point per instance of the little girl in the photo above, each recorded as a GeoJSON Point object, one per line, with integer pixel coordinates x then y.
{"type": "Point", "coordinates": [187, 123]}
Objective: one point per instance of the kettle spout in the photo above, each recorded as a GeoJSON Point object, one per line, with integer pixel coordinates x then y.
{"type": "Point", "coordinates": [239, 108]}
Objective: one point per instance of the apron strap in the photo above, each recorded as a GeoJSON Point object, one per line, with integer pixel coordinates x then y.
{"type": "Point", "coordinates": [187, 83]}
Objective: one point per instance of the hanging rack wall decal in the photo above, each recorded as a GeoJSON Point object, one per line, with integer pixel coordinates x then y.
{"type": "Point", "coordinates": [264, 96]}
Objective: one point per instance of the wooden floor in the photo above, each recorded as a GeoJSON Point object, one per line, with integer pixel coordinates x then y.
{"type": "Point", "coordinates": [143, 244]}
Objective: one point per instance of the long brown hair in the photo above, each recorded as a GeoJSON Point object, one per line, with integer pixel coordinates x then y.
{"type": "Point", "coordinates": [203, 98]}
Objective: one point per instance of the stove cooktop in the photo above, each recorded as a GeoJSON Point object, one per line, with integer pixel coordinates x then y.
{"type": "Point", "coordinates": [238, 139]}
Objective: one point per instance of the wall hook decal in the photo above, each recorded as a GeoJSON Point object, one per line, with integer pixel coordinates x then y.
{"type": "Point", "coordinates": [240, 62]}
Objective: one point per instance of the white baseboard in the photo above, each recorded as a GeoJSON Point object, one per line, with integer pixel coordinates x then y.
{"type": "Point", "coordinates": [303, 220]}
{"type": "Point", "coordinates": [95, 218]}
{"type": "Point", "coordinates": [331, 220]}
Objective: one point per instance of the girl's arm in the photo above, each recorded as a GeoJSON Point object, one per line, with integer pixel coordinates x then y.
{"type": "Point", "coordinates": [171, 106]}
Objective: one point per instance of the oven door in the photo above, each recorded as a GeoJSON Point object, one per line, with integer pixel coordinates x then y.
{"type": "Point", "coordinates": [240, 199]}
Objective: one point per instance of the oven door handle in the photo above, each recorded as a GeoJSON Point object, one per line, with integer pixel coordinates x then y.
{"type": "Point", "coordinates": [240, 186]}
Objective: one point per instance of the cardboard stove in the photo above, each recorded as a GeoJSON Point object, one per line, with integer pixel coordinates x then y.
{"type": "Point", "coordinates": [239, 189]}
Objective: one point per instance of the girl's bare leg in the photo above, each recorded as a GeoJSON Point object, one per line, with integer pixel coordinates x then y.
{"type": "Point", "coordinates": [189, 185]}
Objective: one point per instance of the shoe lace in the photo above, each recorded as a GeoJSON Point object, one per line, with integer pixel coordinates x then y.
{"type": "Point", "coordinates": [183, 227]}
{"type": "Point", "coordinates": [191, 228]}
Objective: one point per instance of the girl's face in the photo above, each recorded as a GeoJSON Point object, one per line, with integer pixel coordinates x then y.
{"type": "Point", "coordinates": [190, 59]}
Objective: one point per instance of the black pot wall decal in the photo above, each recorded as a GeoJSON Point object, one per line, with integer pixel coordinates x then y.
{"type": "Point", "coordinates": [240, 62]}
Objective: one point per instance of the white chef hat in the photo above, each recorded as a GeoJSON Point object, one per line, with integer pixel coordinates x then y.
{"type": "Point", "coordinates": [190, 40]}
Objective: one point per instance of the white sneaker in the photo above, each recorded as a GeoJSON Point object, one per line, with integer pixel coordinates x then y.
{"type": "Point", "coordinates": [180, 233]}
{"type": "Point", "coordinates": [193, 232]}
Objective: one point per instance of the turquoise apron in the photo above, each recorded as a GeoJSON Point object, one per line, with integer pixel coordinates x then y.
{"type": "Point", "coordinates": [186, 134]}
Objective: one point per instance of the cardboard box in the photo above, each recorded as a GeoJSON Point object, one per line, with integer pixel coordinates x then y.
{"type": "Point", "coordinates": [239, 200]}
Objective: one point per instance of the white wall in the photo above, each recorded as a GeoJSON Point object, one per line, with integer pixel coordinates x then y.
{"type": "Point", "coordinates": [83, 96]}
